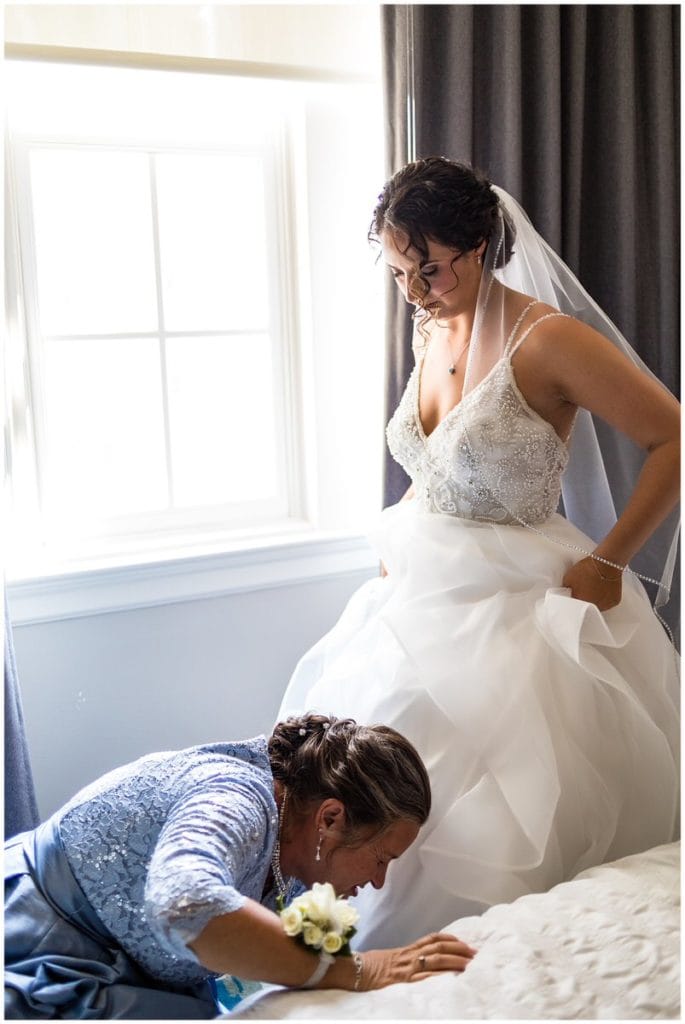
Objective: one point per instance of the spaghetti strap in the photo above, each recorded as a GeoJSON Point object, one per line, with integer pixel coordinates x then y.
{"type": "Point", "coordinates": [547, 316]}
{"type": "Point", "coordinates": [518, 323]}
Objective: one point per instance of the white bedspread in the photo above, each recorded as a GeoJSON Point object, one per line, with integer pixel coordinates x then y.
{"type": "Point", "coordinates": [605, 945]}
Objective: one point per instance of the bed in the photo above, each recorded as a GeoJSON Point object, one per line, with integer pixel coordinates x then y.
{"type": "Point", "coordinates": [602, 946]}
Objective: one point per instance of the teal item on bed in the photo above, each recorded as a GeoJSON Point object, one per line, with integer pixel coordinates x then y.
{"type": "Point", "coordinates": [230, 991]}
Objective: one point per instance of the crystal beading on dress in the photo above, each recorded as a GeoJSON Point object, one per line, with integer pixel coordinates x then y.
{"type": "Point", "coordinates": [506, 468]}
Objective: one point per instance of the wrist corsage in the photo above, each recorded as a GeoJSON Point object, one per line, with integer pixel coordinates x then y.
{"type": "Point", "coordinates": [322, 923]}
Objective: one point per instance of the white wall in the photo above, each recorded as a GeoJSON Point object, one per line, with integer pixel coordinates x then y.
{"type": "Point", "coordinates": [100, 690]}
{"type": "Point", "coordinates": [331, 37]}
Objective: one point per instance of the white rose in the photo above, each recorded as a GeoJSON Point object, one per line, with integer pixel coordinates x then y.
{"type": "Point", "coordinates": [313, 936]}
{"type": "Point", "coordinates": [324, 900]}
{"type": "Point", "coordinates": [332, 942]}
{"type": "Point", "coordinates": [305, 904]}
{"type": "Point", "coordinates": [291, 918]}
{"type": "Point", "coordinates": [345, 916]}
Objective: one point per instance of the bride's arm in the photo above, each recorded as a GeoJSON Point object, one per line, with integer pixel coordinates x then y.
{"type": "Point", "coordinates": [588, 371]}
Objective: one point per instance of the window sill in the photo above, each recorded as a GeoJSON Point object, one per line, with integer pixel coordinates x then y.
{"type": "Point", "coordinates": [254, 564]}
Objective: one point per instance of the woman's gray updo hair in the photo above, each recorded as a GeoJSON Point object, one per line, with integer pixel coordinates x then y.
{"type": "Point", "coordinates": [373, 770]}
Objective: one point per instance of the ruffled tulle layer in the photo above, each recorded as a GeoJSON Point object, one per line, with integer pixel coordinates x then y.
{"type": "Point", "coordinates": [549, 730]}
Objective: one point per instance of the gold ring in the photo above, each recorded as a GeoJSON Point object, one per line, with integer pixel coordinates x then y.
{"type": "Point", "coordinates": [422, 963]}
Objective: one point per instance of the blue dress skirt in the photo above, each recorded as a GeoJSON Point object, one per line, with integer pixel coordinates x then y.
{"type": "Point", "coordinates": [60, 961]}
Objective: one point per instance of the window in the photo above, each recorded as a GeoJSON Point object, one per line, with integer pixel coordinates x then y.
{"type": "Point", "coordinates": [180, 271]}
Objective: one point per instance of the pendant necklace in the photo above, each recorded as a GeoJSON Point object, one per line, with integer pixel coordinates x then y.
{"type": "Point", "coordinates": [452, 368]}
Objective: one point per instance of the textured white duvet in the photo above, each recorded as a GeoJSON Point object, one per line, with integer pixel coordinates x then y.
{"type": "Point", "coordinates": [605, 945]}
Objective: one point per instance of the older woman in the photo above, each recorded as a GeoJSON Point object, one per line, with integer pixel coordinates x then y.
{"type": "Point", "coordinates": [166, 872]}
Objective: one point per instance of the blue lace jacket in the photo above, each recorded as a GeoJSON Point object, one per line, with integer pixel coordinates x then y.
{"type": "Point", "coordinates": [164, 844]}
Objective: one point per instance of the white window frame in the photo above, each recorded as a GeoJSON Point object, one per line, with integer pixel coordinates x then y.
{"type": "Point", "coordinates": [172, 527]}
{"type": "Point", "coordinates": [150, 570]}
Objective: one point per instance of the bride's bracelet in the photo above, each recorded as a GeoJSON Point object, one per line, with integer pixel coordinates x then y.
{"type": "Point", "coordinates": [607, 579]}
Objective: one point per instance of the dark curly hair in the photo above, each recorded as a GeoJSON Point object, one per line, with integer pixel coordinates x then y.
{"type": "Point", "coordinates": [373, 770]}
{"type": "Point", "coordinates": [448, 202]}
{"type": "Point", "coordinates": [440, 199]}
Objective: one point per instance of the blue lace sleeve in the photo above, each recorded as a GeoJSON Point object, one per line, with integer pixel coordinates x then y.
{"type": "Point", "coordinates": [214, 843]}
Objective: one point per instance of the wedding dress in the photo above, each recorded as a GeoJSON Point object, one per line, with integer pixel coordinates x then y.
{"type": "Point", "coordinates": [549, 729]}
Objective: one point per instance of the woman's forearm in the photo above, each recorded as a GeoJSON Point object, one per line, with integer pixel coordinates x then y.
{"type": "Point", "coordinates": [250, 943]}
{"type": "Point", "coordinates": [654, 496]}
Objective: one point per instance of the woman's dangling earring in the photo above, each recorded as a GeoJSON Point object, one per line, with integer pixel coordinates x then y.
{"type": "Point", "coordinates": [318, 847]}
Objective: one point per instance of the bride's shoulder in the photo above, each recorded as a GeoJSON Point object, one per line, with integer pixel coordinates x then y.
{"type": "Point", "coordinates": [542, 330]}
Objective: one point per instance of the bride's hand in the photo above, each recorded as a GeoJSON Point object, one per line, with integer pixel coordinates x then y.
{"type": "Point", "coordinates": [433, 954]}
{"type": "Point", "coordinates": [594, 582]}
{"type": "Point", "coordinates": [383, 571]}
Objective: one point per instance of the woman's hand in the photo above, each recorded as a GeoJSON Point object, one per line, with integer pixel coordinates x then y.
{"type": "Point", "coordinates": [430, 955]}
{"type": "Point", "coordinates": [594, 582]}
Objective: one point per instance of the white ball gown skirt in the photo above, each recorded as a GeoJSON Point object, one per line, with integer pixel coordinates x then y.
{"type": "Point", "coordinates": [549, 730]}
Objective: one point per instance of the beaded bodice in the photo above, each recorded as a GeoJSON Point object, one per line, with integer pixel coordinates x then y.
{"type": "Point", "coordinates": [490, 458]}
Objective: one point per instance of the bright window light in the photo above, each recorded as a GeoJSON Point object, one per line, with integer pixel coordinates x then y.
{"type": "Point", "coordinates": [193, 309]}
{"type": "Point", "coordinates": [92, 221]}
{"type": "Point", "coordinates": [223, 437]}
{"type": "Point", "coordinates": [214, 248]}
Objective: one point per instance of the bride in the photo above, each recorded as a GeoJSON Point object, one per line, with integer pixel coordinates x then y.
{"type": "Point", "coordinates": [514, 646]}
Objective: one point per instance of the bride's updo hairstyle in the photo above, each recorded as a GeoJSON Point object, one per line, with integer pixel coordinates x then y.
{"type": "Point", "coordinates": [373, 770]}
{"type": "Point", "coordinates": [443, 200]}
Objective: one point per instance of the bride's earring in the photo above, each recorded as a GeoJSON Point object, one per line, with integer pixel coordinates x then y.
{"type": "Point", "coordinates": [318, 847]}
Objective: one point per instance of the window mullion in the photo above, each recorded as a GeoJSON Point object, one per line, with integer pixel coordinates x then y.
{"type": "Point", "coordinates": [285, 326]}
{"type": "Point", "coordinates": [225, 332]}
{"type": "Point", "coordinates": [162, 329]}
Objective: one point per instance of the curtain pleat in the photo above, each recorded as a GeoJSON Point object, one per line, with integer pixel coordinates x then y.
{"type": "Point", "coordinates": [399, 359]}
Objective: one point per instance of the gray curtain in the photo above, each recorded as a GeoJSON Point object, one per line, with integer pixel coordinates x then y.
{"type": "Point", "coordinates": [21, 811]}
{"type": "Point", "coordinates": [574, 110]}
